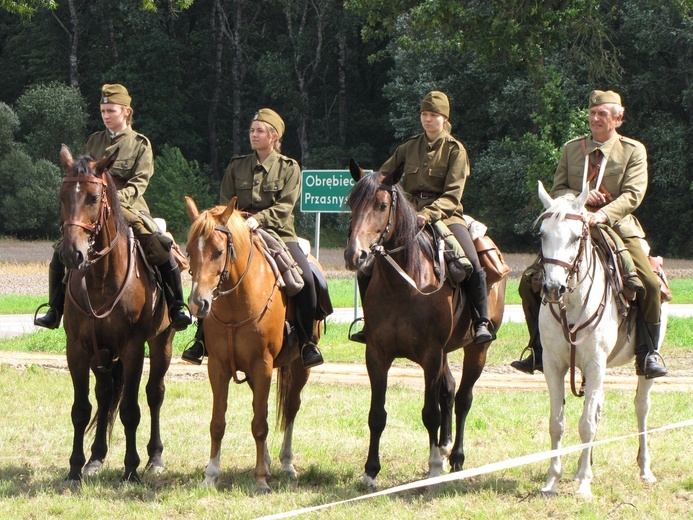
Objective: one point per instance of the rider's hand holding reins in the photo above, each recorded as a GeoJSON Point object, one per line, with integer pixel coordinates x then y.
{"type": "Point", "coordinates": [252, 223]}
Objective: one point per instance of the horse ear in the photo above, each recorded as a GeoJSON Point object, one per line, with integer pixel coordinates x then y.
{"type": "Point", "coordinates": [356, 171]}
{"type": "Point", "coordinates": [106, 163]}
{"type": "Point", "coordinates": [229, 210]}
{"type": "Point", "coordinates": [395, 175]}
{"type": "Point", "coordinates": [191, 207]}
{"type": "Point", "coordinates": [544, 197]}
{"type": "Point", "coordinates": [66, 157]}
{"type": "Point", "coordinates": [582, 199]}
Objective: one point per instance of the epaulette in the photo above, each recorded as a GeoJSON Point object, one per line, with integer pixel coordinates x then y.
{"type": "Point", "coordinates": [288, 159]}
{"type": "Point", "coordinates": [451, 139]}
{"type": "Point", "coordinates": [142, 137]}
{"type": "Point", "coordinates": [576, 139]}
{"type": "Point", "coordinates": [236, 157]}
{"type": "Point", "coordinates": [630, 141]}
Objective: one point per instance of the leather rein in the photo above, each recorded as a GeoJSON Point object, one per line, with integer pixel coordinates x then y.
{"type": "Point", "coordinates": [217, 292]}
{"type": "Point", "coordinates": [95, 228]}
{"type": "Point", "coordinates": [378, 249]}
{"type": "Point", "coordinates": [558, 308]}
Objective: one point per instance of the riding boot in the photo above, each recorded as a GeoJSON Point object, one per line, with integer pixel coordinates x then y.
{"type": "Point", "coordinates": [305, 313]}
{"type": "Point", "coordinates": [196, 351]}
{"type": "Point", "coordinates": [360, 336]}
{"type": "Point", "coordinates": [170, 274]}
{"type": "Point", "coordinates": [533, 361]}
{"type": "Point", "coordinates": [646, 354]}
{"type": "Point", "coordinates": [531, 303]}
{"type": "Point", "coordinates": [56, 292]}
{"type": "Point", "coordinates": [476, 291]}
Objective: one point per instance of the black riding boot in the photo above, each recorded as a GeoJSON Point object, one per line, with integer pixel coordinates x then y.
{"type": "Point", "coordinates": [56, 295]}
{"type": "Point", "coordinates": [305, 314]}
{"type": "Point", "coordinates": [170, 274]}
{"type": "Point", "coordinates": [363, 281]}
{"type": "Point", "coordinates": [533, 361]}
{"type": "Point", "coordinates": [646, 355]}
{"type": "Point", "coordinates": [476, 291]}
{"type": "Point", "coordinates": [196, 351]}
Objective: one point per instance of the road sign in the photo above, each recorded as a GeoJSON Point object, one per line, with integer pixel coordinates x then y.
{"type": "Point", "coordinates": [325, 191]}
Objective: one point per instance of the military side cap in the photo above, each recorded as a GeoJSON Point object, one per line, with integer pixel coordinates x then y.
{"type": "Point", "coordinates": [599, 97]}
{"type": "Point", "coordinates": [116, 94]}
{"type": "Point", "coordinates": [436, 101]}
{"type": "Point", "coordinates": [269, 116]}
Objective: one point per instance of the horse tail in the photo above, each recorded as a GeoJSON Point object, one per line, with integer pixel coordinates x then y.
{"type": "Point", "coordinates": [284, 376]}
{"type": "Point", "coordinates": [116, 381]}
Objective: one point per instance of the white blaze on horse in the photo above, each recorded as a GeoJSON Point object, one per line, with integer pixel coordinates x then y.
{"type": "Point", "coordinates": [580, 316]}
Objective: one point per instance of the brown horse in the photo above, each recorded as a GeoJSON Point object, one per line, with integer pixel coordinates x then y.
{"type": "Point", "coordinates": [411, 313]}
{"type": "Point", "coordinates": [237, 292]}
{"type": "Point", "coordinates": [111, 309]}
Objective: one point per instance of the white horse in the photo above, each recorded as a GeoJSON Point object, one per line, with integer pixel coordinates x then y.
{"type": "Point", "coordinates": [580, 314]}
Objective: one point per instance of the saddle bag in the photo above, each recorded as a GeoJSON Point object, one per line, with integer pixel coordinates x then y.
{"type": "Point", "coordinates": [491, 259]}
{"type": "Point", "coordinates": [278, 256]}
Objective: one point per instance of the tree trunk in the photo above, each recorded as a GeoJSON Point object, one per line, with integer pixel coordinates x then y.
{"type": "Point", "coordinates": [342, 92]}
{"type": "Point", "coordinates": [217, 26]}
{"type": "Point", "coordinates": [74, 43]}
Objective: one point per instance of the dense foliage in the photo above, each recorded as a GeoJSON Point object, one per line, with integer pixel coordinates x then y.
{"type": "Point", "coordinates": [347, 77]}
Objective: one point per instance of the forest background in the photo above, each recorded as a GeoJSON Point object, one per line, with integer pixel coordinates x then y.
{"type": "Point", "coordinates": [347, 77]}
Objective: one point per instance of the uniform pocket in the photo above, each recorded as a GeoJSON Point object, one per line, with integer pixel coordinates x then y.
{"type": "Point", "coordinates": [123, 165]}
{"type": "Point", "coordinates": [438, 172]}
{"type": "Point", "coordinates": [273, 186]}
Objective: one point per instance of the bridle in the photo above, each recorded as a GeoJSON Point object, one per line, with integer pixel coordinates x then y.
{"type": "Point", "coordinates": [95, 227]}
{"type": "Point", "coordinates": [558, 308]}
{"type": "Point", "coordinates": [230, 257]}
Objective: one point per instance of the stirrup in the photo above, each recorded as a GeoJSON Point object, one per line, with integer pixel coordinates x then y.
{"type": "Point", "coordinates": [189, 356]}
{"type": "Point", "coordinates": [358, 336]}
{"type": "Point", "coordinates": [481, 339]}
{"type": "Point", "coordinates": [529, 364]}
{"type": "Point", "coordinates": [52, 325]}
{"type": "Point", "coordinates": [661, 370]}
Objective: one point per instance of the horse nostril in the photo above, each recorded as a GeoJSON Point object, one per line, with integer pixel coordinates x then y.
{"type": "Point", "coordinates": [561, 290]}
{"type": "Point", "coordinates": [363, 255]}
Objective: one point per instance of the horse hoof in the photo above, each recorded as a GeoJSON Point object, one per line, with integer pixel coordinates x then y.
{"type": "Point", "coordinates": [210, 483]}
{"type": "Point", "coordinates": [74, 481]}
{"type": "Point", "coordinates": [263, 489]}
{"type": "Point", "coordinates": [131, 477]}
{"type": "Point", "coordinates": [648, 479]}
{"type": "Point", "coordinates": [548, 493]}
{"type": "Point", "coordinates": [289, 470]}
{"type": "Point", "coordinates": [155, 467]}
{"type": "Point", "coordinates": [92, 468]}
{"type": "Point", "coordinates": [368, 483]}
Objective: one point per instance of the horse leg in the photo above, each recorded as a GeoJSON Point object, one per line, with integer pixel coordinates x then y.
{"type": "Point", "coordinates": [81, 411]}
{"type": "Point", "coordinates": [589, 421]}
{"type": "Point", "coordinates": [297, 378]}
{"type": "Point", "coordinates": [104, 415]}
{"type": "Point", "coordinates": [219, 380]}
{"type": "Point", "coordinates": [377, 416]}
{"type": "Point", "coordinates": [260, 382]}
{"type": "Point", "coordinates": [431, 415]}
{"type": "Point", "coordinates": [472, 367]}
{"type": "Point", "coordinates": [447, 401]}
{"type": "Point", "coordinates": [130, 414]}
{"type": "Point", "coordinates": [555, 377]}
{"type": "Point", "coordinates": [159, 361]}
{"type": "Point", "coordinates": [642, 409]}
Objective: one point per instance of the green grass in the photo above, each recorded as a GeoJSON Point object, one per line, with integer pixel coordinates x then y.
{"type": "Point", "coordinates": [341, 293]}
{"type": "Point", "coordinates": [330, 451]}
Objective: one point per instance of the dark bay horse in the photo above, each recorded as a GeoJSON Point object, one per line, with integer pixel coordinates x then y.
{"type": "Point", "coordinates": [421, 323]}
{"type": "Point", "coordinates": [237, 292]}
{"type": "Point", "coordinates": [111, 309]}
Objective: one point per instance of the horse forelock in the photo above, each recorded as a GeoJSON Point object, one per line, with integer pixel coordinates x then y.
{"type": "Point", "coordinates": [558, 210]}
{"type": "Point", "coordinates": [82, 166]}
{"type": "Point", "coordinates": [205, 224]}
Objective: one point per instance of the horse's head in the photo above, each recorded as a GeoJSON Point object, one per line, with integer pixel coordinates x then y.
{"type": "Point", "coordinates": [87, 200]}
{"type": "Point", "coordinates": [564, 232]}
{"type": "Point", "coordinates": [216, 237]}
{"type": "Point", "coordinates": [375, 202]}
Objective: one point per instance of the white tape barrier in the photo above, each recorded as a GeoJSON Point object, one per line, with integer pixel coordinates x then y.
{"type": "Point", "coordinates": [488, 468]}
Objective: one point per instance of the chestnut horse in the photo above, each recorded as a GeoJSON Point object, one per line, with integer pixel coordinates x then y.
{"type": "Point", "coordinates": [410, 313]}
{"type": "Point", "coordinates": [112, 307]}
{"type": "Point", "coordinates": [238, 293]}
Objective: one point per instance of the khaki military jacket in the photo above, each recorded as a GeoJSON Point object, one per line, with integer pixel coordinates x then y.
{"type": "Point", "coordinates": [435, 173]}
{"type": "Point", "coordinates": [625, 177]}
{"type": "Point", "coordinates": [133, 167]}
{"type": "Point", "coordinates": [269, 190]}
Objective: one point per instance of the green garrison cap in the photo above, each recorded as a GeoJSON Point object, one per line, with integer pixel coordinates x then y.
{"type": "Point", "coordinates": [116, 94]}
{"type": "Point", "coordinates": [436, 101]}
{"type": "Point", "coordinates": [269, 116]}
{"type": "Point", "coordinates": [599, 97]}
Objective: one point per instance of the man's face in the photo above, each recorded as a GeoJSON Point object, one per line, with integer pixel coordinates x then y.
{"type": "Point", "coordinates": [603, 124]}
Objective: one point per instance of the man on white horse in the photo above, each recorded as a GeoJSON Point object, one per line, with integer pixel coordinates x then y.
{"type": "Point", "coordinates": [618, 182]}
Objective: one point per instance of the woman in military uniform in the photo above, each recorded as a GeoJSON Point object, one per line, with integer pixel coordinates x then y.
{"type": "Point", "coordinates": [436, 168]}
{"type": "Point", "coordinates": [267, 186]}
{"type": "Point", "coordinates": [131, 173]}
{"type": "Point", "coordinates": [623, 165]}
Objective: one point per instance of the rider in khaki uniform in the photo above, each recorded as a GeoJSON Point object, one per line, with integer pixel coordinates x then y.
{"type": "Point", "coordinates": [622, 190]}
{"type": "Point", "coordinates": [436, 168]}
{"type": "Point", "coordinates": [131, 172]}
{"type": "Point", "coordinates": [268, 185]}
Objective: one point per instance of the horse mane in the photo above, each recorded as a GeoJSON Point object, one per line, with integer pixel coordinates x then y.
{"type": "Point", "coordinates": [406, 230]}
{"type": "Point", "coordinates": [204, 225]}
{"type": "Point", "coordinates": [82, 168]}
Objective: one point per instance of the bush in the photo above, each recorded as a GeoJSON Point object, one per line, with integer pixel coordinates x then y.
{"type": "Point", "coordinates": [30, 208]}
{"type": "Point", "coordinates": [9, 124]}
{"type": "Point", "coordinates": [174, 178]}
{"type": "Point", "coordinates": [50, 115]}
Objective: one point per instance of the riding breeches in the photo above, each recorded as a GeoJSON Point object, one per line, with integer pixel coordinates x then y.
{"type": "Point", "coordinates": [650, 303]}
{"type": "Point", "coordinates": [306, 299]}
